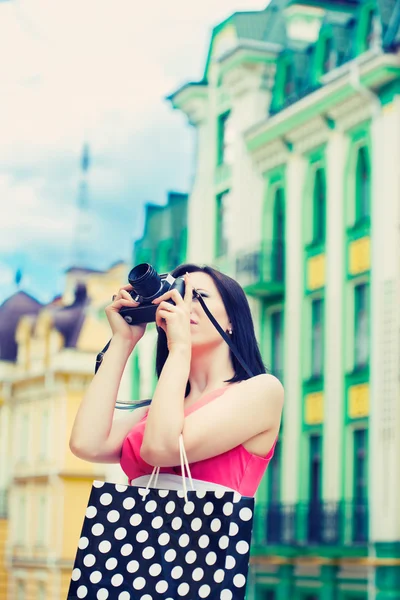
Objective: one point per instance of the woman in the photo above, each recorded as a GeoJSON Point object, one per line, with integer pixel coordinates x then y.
{"type": "Point", "coordinates": [229, 422]}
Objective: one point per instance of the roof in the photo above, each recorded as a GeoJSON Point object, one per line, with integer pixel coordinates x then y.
{"type": "Point", "coordinates": [11, 311]}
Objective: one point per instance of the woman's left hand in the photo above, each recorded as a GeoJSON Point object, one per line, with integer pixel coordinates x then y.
{"type": "Point", "coordinates": [174, 319]}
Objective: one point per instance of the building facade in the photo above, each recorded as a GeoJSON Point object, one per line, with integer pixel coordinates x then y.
{"type": "Point", "coordinates": [47, 361]}
{"type": "Point", "coordinates": [297, 195]}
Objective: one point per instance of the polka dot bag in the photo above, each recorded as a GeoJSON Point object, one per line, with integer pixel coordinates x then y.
{"type": "Point", "coordinates": [153, 544]}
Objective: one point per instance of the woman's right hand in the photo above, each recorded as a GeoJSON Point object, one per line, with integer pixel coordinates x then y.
{"type": "Point", "coordinates": [119, 327]}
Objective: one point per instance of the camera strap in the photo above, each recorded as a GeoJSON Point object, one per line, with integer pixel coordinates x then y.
{"type": "Point", "coordinates": [222, 333]}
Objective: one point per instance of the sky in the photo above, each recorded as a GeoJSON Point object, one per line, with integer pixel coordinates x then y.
{"type": "Point", "coordinates": [97, 71]}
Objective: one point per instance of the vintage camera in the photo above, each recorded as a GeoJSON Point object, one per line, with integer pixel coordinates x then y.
{"type": "Point", "coordinates": [147, 285]}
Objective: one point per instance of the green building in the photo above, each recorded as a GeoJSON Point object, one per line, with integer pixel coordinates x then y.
{"type": "Point", "coordinates": [296, 194]}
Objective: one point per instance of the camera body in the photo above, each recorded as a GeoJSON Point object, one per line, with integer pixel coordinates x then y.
{"type": "Point", "coordinates": [147, 286]}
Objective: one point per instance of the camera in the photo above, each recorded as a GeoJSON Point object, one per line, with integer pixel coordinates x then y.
{"type": "Point", "coordinates": [147, 285]}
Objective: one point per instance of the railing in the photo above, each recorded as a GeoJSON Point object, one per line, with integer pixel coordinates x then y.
{"type": "Point", "coordinates": [262, 265]}
{"type": "Point", "coordinates": [312, 524]}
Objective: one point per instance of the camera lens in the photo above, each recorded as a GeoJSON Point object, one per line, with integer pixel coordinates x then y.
{"type": "Point", "coordinates": [145, 280]}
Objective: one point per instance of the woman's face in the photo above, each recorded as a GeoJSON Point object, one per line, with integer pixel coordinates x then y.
{"type": "Point", "coordinates": [203, 331]}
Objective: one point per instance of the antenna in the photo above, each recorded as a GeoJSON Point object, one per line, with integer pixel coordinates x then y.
{"type": "Point", "coordinates": [83, 227]}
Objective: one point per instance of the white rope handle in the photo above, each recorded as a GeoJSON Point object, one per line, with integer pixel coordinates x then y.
{"type": "Point", "coordinates": [184, 464]}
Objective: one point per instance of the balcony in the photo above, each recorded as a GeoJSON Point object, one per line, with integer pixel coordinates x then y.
{"type": "Point", "coordinates": [308, 525]}
{"type": "Point", "coordinates": [261, 272]}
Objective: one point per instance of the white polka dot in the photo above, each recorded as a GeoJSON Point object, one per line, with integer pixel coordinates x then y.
{"type": "Point", "coordinates": [155, 570]}
{"type": "Point", "coordinates": [226, 595]}
{"type": "Point", "coordinates": [196, 524]}
{"type": "Point", "coordinates": [236, 497]}
{"type": "Point", "coordinates": [176, 523]}
{"type": "Point", "coordinates": [163, 493]}
{"type": "Point", "coordinates": [223, 542]}
{"type": "Point", "coordinates": [201, 493]}
{"type": "Point", "coordinates": [219, 494]}
{"type": "Point", "coordinates": [128, 503]}
{"type": "Point", "coordinates": [170, 555]}
{"type": "Point", "coordinates": [142, 536]}
{"type": "Point", "coordinates": [148, 552]}
{"type": "Point", "coordinates": [76, 573]}
{"type": "Point", "coordinates": [98, 484]}
{"type": "Point", "coordinates": [83, 543]}
{"type": "Point", "coordinates": [184, 540]}
{"type": "Point", "coordinates": [176, 572]}
{"type": "Point", "coordinates": [111, 563]}
{"type": "Point", "coordinates": [82, 591]}
{"type": "Point", "coordinates": [183, 589]}
{"type": "Point", "coordinates": [126, 549]}
{"type": "Point", "coordinates": [113, 516]}
{"type": "Point", "coordinates": [105, 499]}
{"type": "Point", "coordinates": [117, 580]}
{"type": "Point", "coordinates": [197, 574]}
{"type": "Point", "coordinates": [124, 596]}
{"type": "Point", "coordinates": [204, 540]}
{"type": "Point", "coordinates": [139, 583]}
{"type": "Point", "coordinates": [170, 507]}
{"type": "Point", "coordinates": [242, 547]}
{"type": "Point", "coordinates": [189, 507]}
{"type": "Point", "coordinates": [233, 529]}
{"type": "Point", "coordinates": [132, 566]}
{"type": "Point", "coordinates": [208, 508]}
{"type": "Point", "coordinates": [121, 488]}
{"type": "Point", "coordinates": [180, 494]}
{"type": "Point", "coordinates": [91, 512]}
{"type": "Point", "coordinates": [215, 525]}
{"type": "Point", "coordinates": [146, 597]}
{"type": "Point", "coordinates": [105, 546]}
{"type": "Point", "coordinates": [230, 562]}
{"type": "Point", "coordinates": [95, 577]}
{"type": "Point", "coordinates": [164, 539]}
{"type": "Point", "coordinates": [157, 522]}
{"type": "Point", "coordinates": [211, 558]}
{"type": "Point", "coordinates": [245, 514]}
{"type": "Point", "coordinates": [98, 529]}
{"type": "Point", "coordinates": [239, 580]}
{"type": "Point", "coordinates": [204, 591]}
{"type": "Point", "coordinates": [89, 560]}
{"type": "Point", "coordinates": [219, 576]}
{"type": "Point", "coordinates": [161, 587]}
{"type": "Point", "coordinates": [191, 557]}
{"type": "Point", "coordinates": [228, 509]}
{"type": "Point", "coordinates": [102, 594]}
{"type": "Point", "coordinates": [135, 519]}
{"type": "Point", "coordinates": [151, 506]}
{"type": "Point", "coordinates": [120, 533]}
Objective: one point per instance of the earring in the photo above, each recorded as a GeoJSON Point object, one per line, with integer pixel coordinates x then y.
{"type": "Point", "coordinates": [230, 331]}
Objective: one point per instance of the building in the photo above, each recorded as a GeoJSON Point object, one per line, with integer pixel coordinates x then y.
{"type": "Point", "coordinates": [47, 361]}
{"type": "Point", "coordinates": [297, 195]}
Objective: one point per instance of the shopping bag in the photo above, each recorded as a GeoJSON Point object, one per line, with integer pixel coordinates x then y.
{"type": "Point", "coordinates": [150, 544]}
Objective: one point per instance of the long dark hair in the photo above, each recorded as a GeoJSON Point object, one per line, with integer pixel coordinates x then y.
{"type": "Point", "coordinates": [238, 311]}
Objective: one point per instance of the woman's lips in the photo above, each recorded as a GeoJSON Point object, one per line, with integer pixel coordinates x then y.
{"type": "Point", "coordinates": [192, 322]}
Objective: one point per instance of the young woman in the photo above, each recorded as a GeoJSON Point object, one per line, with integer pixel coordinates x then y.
{"type": "Point", "coordinates": [228, 421]}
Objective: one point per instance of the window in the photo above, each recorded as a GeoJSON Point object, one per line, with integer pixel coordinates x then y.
{"type": "Point", "coordinates": [222, 225]}
{"type": "Point", "coordinates": [363, 185]}
{"type": "Point", "coordinates": [44, 435]}
{"type": "Point", "coordinates": [274, 477]}
{"type": "Point", "coordinates": [360, 486]}
{"type": "Point", "coordinates": [289, 81]}
{"type": "Point", "coordinates": [41, 521]}
{"type": "Point", "coordinates": [41, 591]}
{"type": "Point", "coordinates": [277, 343]}
{"type": "Point", "coordinates": [329, 58]}
{"type": "Point", "coordinates": [317, 349]}
{"type": "Point", "coordinates": [315, 485]}
{"type": "Point", "coordinates": [225, 138]}
{"type": "Point", "coordinates": [279, 236]}
{"type": "Point", "coordinates": [24, 438]}
{"type": "Point", "coordinates": [372, 31]}
{"type": "Point", "coordinates": [21, 520]}
{"type": "Point", "coordinates": [361, 326]}
{"type": "Point", "coordinates": [268, 595]}
{"type": "Point", "coordinates": [20, 590]}
{"type": "Point", "coordinates": [319, 203]}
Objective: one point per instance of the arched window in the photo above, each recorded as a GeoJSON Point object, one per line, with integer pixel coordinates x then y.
{"type": "Point", "coordinates": [363, 185]}
{"type": "Point", "coordinates": [319, 205]}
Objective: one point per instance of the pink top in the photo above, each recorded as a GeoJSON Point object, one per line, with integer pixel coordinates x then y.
{"type": "Point", "coordinates": [237, 469]}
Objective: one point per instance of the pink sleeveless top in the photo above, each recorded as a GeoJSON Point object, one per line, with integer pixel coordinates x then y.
{"type": "Point", "coordinates": [237, 469]}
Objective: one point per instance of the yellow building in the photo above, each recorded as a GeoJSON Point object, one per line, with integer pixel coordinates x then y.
{"type": "Point", "coordinates": [43, 377]}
